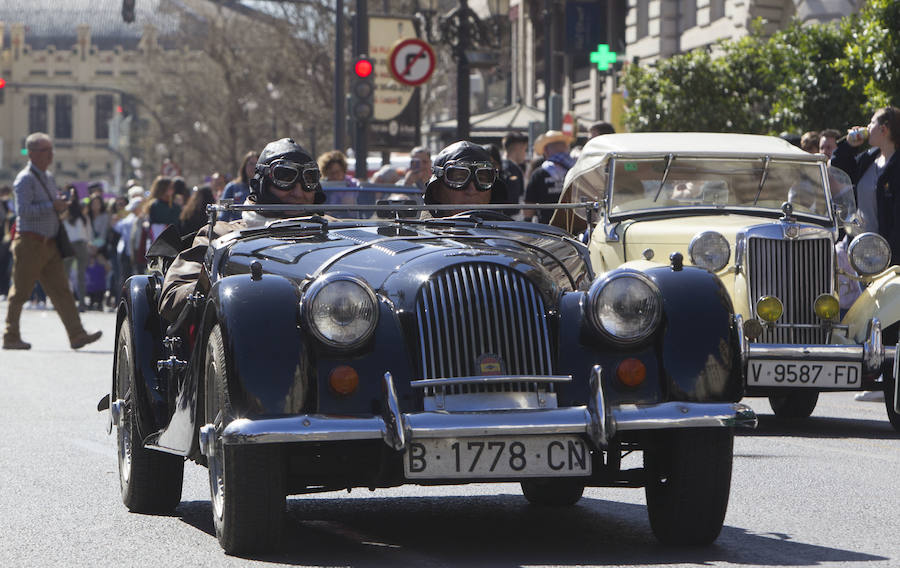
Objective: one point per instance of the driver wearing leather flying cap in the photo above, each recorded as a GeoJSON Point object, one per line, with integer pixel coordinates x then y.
{"type": "Point", "coordinates": [285, 174]}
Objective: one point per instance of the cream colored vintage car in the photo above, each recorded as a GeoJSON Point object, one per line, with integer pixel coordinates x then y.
{"type": "Point", "coordinates": [766, 218]}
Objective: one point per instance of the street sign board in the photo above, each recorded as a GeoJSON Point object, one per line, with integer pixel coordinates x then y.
{"type": "Point", "coordinates": [396, 119]}
{"type": "Point", "coordinates": [391, 97]}
{"type": "Point", "coordinates": [411, 61]}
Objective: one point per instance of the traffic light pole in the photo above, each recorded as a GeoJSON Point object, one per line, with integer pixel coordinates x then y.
{"type": "Point", "coordinates": [360, 127]}
{"type": "Point", "coordinates": [463, 88]}
{"type": "Point", "coordinates": [340, 123]}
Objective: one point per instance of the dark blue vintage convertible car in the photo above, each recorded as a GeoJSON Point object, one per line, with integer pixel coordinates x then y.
{"type": "Point", "coordinates": [325, 355]}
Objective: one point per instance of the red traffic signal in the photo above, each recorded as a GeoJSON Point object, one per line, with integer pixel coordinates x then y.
{"type": "Point", "coordinates": [2, 82]}
{"type": "Point", "coordinates": [363, 68]}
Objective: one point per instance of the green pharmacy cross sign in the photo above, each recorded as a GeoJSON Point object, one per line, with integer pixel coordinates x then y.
{"type": "Point", "coordinates": [603, 57]}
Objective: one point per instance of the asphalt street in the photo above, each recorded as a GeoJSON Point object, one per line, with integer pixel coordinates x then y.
{"type": "Point", "coordinates": [821, 492]}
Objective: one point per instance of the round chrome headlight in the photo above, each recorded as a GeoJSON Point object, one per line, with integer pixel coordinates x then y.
{"type": "Point", "coordinates": [869, 253]}
{"type": "Point", "coordinates": [710, 250]}
{"type": "Point", "coordinates": [625, 306]}
{"type": "Point", "coordinates": [341, 310]}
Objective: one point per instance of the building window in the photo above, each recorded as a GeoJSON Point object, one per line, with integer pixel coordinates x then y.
{"type": "Point", "coordinates": [643, 18]}
{"type": "Point", "coordinates": [687, 14]}
{"type": "Point", "coordinates": [62, 117]}
{"type": "Point", "coordinates": [716, 10]}
{"type": "Point", "coordinates": [37, 113]}
{"type": "Point", "coordinates": [103, 111]}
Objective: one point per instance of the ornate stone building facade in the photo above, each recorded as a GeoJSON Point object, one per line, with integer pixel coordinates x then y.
{"type": "Point", "coordinates": [72, 70]}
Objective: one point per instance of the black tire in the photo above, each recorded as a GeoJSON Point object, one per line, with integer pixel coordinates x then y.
{"type": "Point", "coordinates": [794, 404]}
{"type": "Point", "coordinates": [150, 480]}
{"type": "Point", "coordinates": [688, 484]}
{"type": "Point", "coordinates": [552, 492]}
{"type": "Point", "coordinates": [892, 414]}
{"type": "Point", "coordinates": [247, 483]}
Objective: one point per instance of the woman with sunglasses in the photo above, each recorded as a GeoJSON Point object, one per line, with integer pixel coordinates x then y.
{"type": "Point", "coordinates": [284, 174]}
{"type": "Point", "coordinates": [463, 174]}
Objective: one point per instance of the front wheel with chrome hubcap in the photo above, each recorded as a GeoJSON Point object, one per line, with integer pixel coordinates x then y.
{"type": "Point", "coordinates": [247, 483]}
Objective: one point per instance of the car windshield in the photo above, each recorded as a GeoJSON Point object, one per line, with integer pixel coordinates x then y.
{"type": "Point", "coordinates": [338, 193]}
{"type": "Point", "coordinates": [673, 182]}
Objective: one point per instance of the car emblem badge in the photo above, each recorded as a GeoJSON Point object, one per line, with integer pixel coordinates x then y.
{"type": "Point", "coordinates": [489, 364]}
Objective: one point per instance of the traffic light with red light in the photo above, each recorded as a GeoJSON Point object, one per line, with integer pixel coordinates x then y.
{"type": "Point", "coordinates": [362, 90]}
{"type": "Point", "coordinates": [2, 82]}
{"type": "Point", "coordinates": [363, 68]}
{"type": "Point", "coordinates": [2, 90]}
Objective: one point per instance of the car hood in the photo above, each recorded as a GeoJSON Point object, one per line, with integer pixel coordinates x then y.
{"type": "Point", "coordinates": [378, 253]}
{"type": "Point", "coordinates": [680, 230]}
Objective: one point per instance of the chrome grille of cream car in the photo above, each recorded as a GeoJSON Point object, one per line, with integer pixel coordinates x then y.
{"type": "Point", "coordinates": [795, 271]}
{"type": "Point", "coordinates": [475, 315]}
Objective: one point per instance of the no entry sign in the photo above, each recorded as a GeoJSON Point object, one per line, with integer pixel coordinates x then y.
{"type": "Point", "coordinates": [411, 61]}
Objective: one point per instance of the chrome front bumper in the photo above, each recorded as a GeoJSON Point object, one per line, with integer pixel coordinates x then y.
{"type": "Point", "coordinates": [597, 419]}
{"type": "Point", "coordinates": [871, 354]}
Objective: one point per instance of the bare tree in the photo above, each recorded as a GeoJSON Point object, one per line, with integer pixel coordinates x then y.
{"type": "Point", "coordinates": [240, 79]}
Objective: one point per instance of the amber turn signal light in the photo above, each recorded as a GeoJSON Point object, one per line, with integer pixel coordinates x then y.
{"type": "Point", "coordinates": [631, 372]}
{"type": "Point", "coordinates": [343, 380]}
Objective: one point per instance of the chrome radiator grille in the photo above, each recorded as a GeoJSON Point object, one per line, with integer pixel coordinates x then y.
{"type": "Point", "coordinates": [477, 316]}
{"type": "Point", "coordinates": [796, 272]}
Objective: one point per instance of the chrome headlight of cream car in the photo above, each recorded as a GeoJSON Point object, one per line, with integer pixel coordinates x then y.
{"type": "Point", "coordinates": [625, 306]}
{"type": "Point", "coordinates": [710, 250]}
{"type": "Point", "coordinates": [340, 310]}
{"type": "Point", "coordinates": [869, 253]}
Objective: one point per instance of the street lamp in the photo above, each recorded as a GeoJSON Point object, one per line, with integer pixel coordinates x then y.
{"type": "Point", "coordinates": [461, 29]}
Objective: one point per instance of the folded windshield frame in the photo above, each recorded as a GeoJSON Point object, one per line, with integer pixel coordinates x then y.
{"type": "Point", "coordinates": [658, 183]}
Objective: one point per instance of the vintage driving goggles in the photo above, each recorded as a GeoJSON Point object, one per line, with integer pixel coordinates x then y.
{"type": "Point", "coordinates": [284, 174]}
{"type": "Point", "coordinates": [457, 175]}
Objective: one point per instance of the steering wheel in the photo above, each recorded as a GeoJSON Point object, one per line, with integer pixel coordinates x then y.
{"type": "Point", "coordinates": [486, 215]}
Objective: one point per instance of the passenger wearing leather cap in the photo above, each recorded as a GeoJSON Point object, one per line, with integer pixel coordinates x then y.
{"type": "Point", "coordinates": [285, 174]}
{"type": "Point", "coordinates": [463, 174]}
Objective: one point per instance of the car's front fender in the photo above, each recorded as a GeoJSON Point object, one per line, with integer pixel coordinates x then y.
{"type": "Point", "coordinates": [693, 357]}
{"type": "Point", "coordinates": [263, 343]}
{"type": "Point", "coordinates": [880, 299]}
{"type": "Point", "coordinates": [137, 310]}
{"type": "Point", "coordinates": [700, 348]}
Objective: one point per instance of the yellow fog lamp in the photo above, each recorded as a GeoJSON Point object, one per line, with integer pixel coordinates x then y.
{"type": "Point", "coordinates": [827, 307]}
{"type": "Point", "coordinates": [769, 308]}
